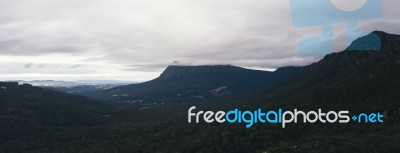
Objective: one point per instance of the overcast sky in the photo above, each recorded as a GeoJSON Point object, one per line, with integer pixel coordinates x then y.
{"type": "Point", "coordinates": [136, 39]}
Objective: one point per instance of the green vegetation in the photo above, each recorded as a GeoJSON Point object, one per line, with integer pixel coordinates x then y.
{"type": "Point", "coordinates": [39, 121]}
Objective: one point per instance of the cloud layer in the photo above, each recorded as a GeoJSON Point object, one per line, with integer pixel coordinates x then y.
{"type": "Point", "coordinates": [136, 39]}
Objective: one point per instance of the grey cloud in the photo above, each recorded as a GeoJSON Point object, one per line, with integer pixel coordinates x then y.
{"type": "Point", "coordinates": [41, 65]}
{"type": "Point", "coordinates": [75, 66]}
{"type": "Point", "coordinates": [147, 67]}
{"type": "Point", "coordinates": [147, 36]}
{"type": "Point", "coordinates": [29, 65]}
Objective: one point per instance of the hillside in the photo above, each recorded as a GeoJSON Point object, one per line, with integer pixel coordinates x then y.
{"type": "Point", "coordinates": [194, 83]}
{"type": "Point", "coordinates": [355, 80]}
{"type": "Point", "coordinates": [31, 113]}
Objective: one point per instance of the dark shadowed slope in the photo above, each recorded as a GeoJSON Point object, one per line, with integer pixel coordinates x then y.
{"type": "Point", "coordinates": [31, 116]}
{"type": "Point", "coordinates": [194, 83]}
{"type": "Point", "coordinates": [355, 80]}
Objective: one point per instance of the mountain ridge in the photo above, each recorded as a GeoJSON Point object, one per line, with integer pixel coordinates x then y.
{"type": "Point", "coordinates": [181, 70]}
{"type": "Point", "coordinates": [354, 80]}
{"type": "Point", "coordinates": [194, 83]}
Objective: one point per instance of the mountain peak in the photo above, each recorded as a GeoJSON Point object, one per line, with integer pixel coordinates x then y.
{"type": "Point", "coordinates": [371, 42]}
{"type": "Point", "coordinates": [377, 32]}
{"type": "Point", "coordinates": [374, 41]}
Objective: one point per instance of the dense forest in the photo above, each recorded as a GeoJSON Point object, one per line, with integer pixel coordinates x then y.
{"type": "Point", "coordinates": [40, 120]}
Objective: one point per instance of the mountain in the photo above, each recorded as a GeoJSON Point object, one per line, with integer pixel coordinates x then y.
{"type": "Point", "coordinates": [205, 83]}
{"type": "Point", "coordinates": [75, 86]}
{"type": "Point", "coordinates": [36, 120]}
{"type": "Point", "coordinates": [373, 41]}
{"type": "Point", "coordinates": [194, 83]}
{"type": "Point", "coordinates": [361, 81]}
{"type": "Point", "coordinates": [355, 74]}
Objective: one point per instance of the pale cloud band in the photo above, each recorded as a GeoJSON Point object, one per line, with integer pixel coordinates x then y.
{"type": "Point", "coordinates": [136, 39]}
